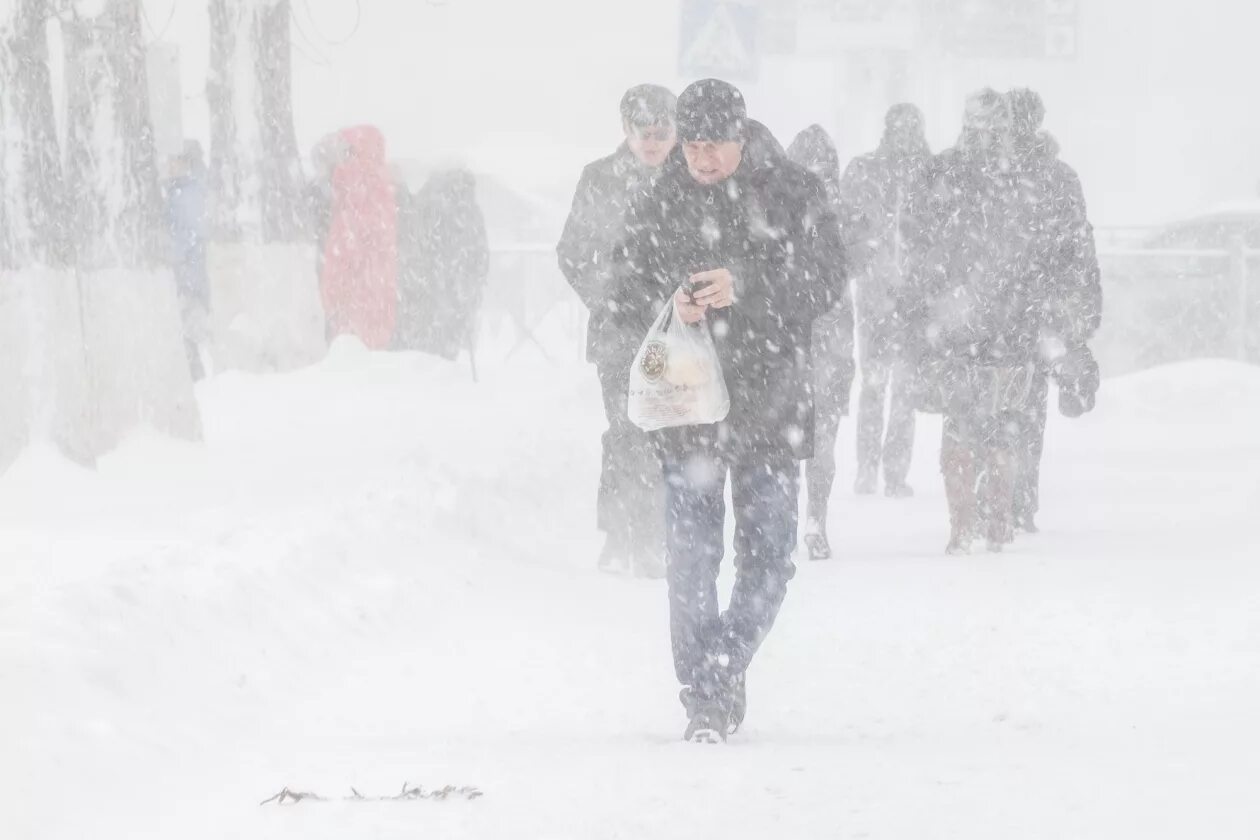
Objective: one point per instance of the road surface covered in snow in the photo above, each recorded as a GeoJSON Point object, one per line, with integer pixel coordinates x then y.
{"type": "Point", "coordinates": [375, 572]}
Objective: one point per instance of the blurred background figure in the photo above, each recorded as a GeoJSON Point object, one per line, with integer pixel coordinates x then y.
{"type": "Point", "coordinates": [444, 261]}
{"type": "Point", "coordinates": [630, 506]}
{"type": "Point", "coordinates": [877, 190]}
{"type": "Point", "coordinates": [359, 274]}
{"type": "Point", "coordinates": [832, 353]}
{"type": "Point", "coordinates": [326, 156]}
{"type": "Point", "coordinates": [979, 289]}
{"type": "Point", "coordinates": [187, 223]}
{"type": "Point", "coordinates": [1072, 303]}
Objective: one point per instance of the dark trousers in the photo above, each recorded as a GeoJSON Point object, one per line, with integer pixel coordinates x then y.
{"type": "Point", "coordinates": [1032, 443]}
{"type": "Point", "coordinates": [833, 380]}
{"type": "Point", "coordinates": [712, 648]}
{"type": "Point", "coordinates": [978, 462]}
{"type": "Point", "coordinates": [984, 428]}
{"type": "Point", "coordinates": [879, 376]}
{"type": "Point", "coordinates": [630, 506]}
{"type": "Point", "coordinates": [192, 290]}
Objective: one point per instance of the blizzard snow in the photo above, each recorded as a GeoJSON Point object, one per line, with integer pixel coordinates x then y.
{"type": "Point", "coordinates": [374, 571]}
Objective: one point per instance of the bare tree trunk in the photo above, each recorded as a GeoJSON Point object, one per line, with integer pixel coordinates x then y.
{"type": "Point", "coordinates": [34, 229]}
{"type": "Point", "coordinates": [111, 159]}
{"type": "Point", "coordinates": [256, 173]}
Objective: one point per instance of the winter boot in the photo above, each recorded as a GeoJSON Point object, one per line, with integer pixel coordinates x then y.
{"type": "Point", "coordinates": [999, 500]}
{"type": "Point", "coordinates": [649, 563]}
{"type": "Point", "coordinates": [958, 467]}
{"type": "Point", "coordinates": [710, 721]}
{"type": "Point", "coordinates": [613, 558]}
{"type": "Point", "coordinates": [816, 541]}
{"type": "Point", "coordinates": [708, 718]}
{"type": "Point", "coordinates": [867, 482]}
{"type": "Point", "coordinates": [739, 703]}
{"type": "Point", "coordinates": [1026, 522]}
{"type": "Point", "coordinates": [959, 542]}
{"type": "Point", "coordinates": [898, 490]}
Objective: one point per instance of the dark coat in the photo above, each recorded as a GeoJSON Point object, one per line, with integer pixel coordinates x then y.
{"type": "Point", "coordinates": [834, 331]}
{"type": "Point", "coordinates": [1072, 307]}
{"type": "Point", "coordinates": [761, 147]}
{"type": "Point", "coordinates": [771, 225]}
{"type": "Point", "coordinates": [980, 281]}
{"type": "Point", "coordinates": [876, 194]}
{"type": "Point", "coordinates": [444, 261]}
{"type": "Point", "coordinates": [595, 227]}
{"type": "Point", "coordinates": [813, 149]}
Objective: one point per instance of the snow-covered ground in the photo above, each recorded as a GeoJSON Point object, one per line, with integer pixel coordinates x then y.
{"type": "Point", "coordinates": [376, 572]}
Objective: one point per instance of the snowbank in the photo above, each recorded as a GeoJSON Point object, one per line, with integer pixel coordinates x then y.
{"type": "Point", "coordinates": [267, 314]}
{"type": "Point", "coordinates": [137, 367]}
{"type": "Point", "coordinates": [43, 372]}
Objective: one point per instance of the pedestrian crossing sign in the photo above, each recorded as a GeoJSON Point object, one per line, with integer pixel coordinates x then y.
{"type": "Point", "coordinates": [719, 38]}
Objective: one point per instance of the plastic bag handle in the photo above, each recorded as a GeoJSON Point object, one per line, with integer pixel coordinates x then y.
{"type": "Point", "coordinates": [673, 313]}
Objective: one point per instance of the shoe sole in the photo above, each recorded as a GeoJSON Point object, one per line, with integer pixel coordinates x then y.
{"type": "Point", "coordinates": [814, 551]}
{"type": "Point", "coordinates": [707, 736]}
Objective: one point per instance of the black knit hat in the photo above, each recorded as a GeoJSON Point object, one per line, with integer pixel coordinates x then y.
{"type": "Point", "coordinates": [644, 106]}
{"type": "Point", "coordinates": [711, 110]}
{"type": "Point", "coordinates": [1028, 110]}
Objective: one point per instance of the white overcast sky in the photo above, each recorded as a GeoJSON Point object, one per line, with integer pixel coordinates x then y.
{"type": "Point", "coordinates": [1159, 114]}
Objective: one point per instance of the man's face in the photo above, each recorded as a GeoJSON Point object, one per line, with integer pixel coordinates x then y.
{"type": "Point", "coordinates": [996, 137]}
{"type": "Point", "coordinates": [651, 144]}
{"type": "Point", "coordinates": [710, 162]}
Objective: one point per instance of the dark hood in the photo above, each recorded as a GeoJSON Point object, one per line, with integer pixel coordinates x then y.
{"type": "Point", "coordinates": [814, 150]}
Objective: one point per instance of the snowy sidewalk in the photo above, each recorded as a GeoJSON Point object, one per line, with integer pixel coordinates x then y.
{"type": "Point", "coordinates": [375, 572]}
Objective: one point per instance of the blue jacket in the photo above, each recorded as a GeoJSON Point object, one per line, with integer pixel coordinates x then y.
{"type": "Point", "coordinates": [186, 220]}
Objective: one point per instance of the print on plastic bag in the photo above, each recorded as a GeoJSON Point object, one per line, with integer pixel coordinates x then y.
{"type": "Point", "coordinates": [676, 379]}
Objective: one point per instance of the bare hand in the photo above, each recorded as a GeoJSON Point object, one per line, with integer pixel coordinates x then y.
{"type": "Point", "coordinates": [714, 288]}
{"type": "Point", "coordinates": [690, 313]}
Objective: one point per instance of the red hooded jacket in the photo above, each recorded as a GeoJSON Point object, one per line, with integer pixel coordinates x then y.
{"type": "Point", "coordinates": [359, 283]}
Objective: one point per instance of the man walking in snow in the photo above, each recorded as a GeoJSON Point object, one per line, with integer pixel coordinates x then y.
{"type": "Point", "coordinates": [629, 507]}
{"type": "Point", "coordinates": [876, 191]}
{"type": "Point", "coordinates": [1072, 306]}
{"type": "Point", "coordinates": [979, 288]}
{"type": "Point", "coordinates": [832, 353]}
{"type": "Point", "coordinates": [747, 247]}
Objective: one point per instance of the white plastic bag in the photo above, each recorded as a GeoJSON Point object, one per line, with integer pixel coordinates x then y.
{"type": "Point", "coordinates": [676, 379]}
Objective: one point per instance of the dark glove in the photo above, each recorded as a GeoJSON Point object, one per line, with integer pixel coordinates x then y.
{"type": "Point", "coordinates": [1078, 377]}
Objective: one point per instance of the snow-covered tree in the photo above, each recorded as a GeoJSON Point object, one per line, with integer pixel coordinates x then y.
{"type": "Point", "coordinates": [255, 168]}
{"type": "Point", "coordinates": [111, 159]}
{"type": "Point", "coordinates": [33, 229]}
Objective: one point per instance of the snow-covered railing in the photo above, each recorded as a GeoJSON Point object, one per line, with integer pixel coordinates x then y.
{"type": "Point", "coordinates": [528, 292]}
{"type": "Point", "coordinates": [1160, 305]}
{"type": "Point", "coordinates": [1169, 304]}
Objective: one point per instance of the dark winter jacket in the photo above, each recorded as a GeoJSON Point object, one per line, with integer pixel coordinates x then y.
{"type": "Point", "coordinates": [1072, 308]}
{"type": "Point", "coordinates": [595, 227]}
{"type": "Point", "coordinates": [771, 225]}
{"type": "Point", "coordinates": [444, 261]}
{"type": "Point", "coordinates": [979, 287]}
{"type": "Point", "coordinates": [761, 147]}
{"type": "Point", "coordinates": [813, 149]}
{"type": "Point", "coordinates": [882, 238]}
{"type": "Point", "coordinates": [833, 332]}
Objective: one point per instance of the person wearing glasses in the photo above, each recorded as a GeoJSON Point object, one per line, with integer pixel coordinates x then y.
{"type": "Point", "coordinates": [630, 505]}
